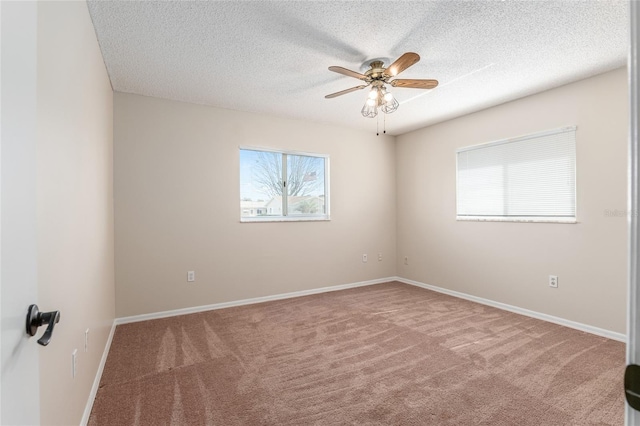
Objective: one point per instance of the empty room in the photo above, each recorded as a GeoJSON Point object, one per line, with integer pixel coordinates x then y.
{"type": "Point", "coordinates": [318, 213]}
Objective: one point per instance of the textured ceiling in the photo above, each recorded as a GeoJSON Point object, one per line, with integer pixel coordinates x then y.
{"type": "Point", "coordinates": [272, 56]}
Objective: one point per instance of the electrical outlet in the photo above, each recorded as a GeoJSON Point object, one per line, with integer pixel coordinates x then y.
{"type": "Point", "coordinates": [86, 340]}
{"type": "Point", "coordinates": [406, 260]}
{"type": "Point", "coordinates": [74, 355]}
{"type": "Point", "coordinates": [364, 258]}
{"type": "Point", "coordinates": [379, 257]}
{"type": "Point", "coordinates": [553, 281]}
{"type": "Point", "coordinates": [191, 276]}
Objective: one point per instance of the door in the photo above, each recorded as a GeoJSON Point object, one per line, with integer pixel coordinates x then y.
{"type": "Point", "coordinates": [19, 373]}
{"type": "Point", "coordinates": [633, 326]}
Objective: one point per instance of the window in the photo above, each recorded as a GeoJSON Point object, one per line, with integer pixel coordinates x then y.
{"type": "Point", "coordinates": [530, 178]}
{"type": "Point", "coordinates": [266, 175]}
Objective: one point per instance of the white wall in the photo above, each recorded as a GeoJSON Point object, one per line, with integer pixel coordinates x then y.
{"type": "Point", "coordinates": [177, 208]}
{"type": "Point", "coordinates": [176, 189]}
{"type": "Point", "coordinates": [75, 204]}
{"type": "Point", "coordinates": [510, 262]}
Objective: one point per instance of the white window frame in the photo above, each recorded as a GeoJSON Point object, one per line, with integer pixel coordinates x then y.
{"type": "Point", "coordinates": [298, 217]}
{"type": "Point", "coordinates": [537, 219]}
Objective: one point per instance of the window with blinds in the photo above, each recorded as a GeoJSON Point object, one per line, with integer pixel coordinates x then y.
{"type": "Point", "coordinates": [530, 178]}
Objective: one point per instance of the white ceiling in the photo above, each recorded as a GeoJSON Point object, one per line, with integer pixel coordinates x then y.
{"type": "Point", "coordinates": [272, 56]}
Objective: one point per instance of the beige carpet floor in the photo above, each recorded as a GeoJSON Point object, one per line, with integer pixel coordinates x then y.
{"type": "Point", "coordinates": [387, 354]}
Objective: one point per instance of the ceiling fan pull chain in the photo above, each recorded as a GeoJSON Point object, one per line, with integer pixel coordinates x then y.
{"type": "Point", "coordinates": [378, 126]}
{"type": "Point", "coordinates": [384, 124]}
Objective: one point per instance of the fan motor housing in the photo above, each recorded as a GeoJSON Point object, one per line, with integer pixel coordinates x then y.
{"type": "Point", "coordinates": [375, 73]}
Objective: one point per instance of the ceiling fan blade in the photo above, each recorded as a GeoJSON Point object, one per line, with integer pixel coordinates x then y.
{"type": "Point", "coordinates": [415, 84]}
{"type": "Point", "coordinates": [401, 64]}
{"type": "Point", "coordinates": [344, 92]}
{"type": "Point", "coordinates": [347, 72]}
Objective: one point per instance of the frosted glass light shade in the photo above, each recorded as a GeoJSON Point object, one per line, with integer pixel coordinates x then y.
{"type": "Point", "coordinates": [370, 108]}
{"type": "Point", "coordinates": [389, 103]}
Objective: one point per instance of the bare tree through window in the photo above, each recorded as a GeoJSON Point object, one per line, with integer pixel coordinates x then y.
{"type": "Point", "coordinates": [263, 184]}
{"type": "Point", "coordinates": [303, 174]}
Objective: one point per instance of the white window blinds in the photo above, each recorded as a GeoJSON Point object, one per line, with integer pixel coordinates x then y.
{"type": "Point", "coordinates": [526, 178]}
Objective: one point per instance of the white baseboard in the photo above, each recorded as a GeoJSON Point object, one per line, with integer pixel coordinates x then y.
{"type": "Point", "coordinates": [533, 314]}
{"type": "Point", "coordinates": [550, 318]}
{"type": "Point", "coordinates": [185, 311]}
{"type": "Point", "coordinates": [96, 381]}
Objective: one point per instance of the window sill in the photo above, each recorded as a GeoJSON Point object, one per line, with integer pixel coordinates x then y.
{"type": "Point", "coordinates": [285, 219]}
{"type": "Point", "coordinates": [516, 219]}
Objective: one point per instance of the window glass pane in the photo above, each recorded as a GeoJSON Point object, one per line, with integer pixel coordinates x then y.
{"type": "Point", "coordinates": [268, 176]}
{"type": "Point", "coordinates": [305, 185]}
{"type": "Point", "coordinates": [260, 183]}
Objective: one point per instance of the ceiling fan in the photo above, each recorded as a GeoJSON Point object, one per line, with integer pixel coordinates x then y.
{"type": "Point", "coordinates": [378, 77]}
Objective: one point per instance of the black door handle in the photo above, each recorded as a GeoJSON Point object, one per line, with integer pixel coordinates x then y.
{"type": "Point", "coordinates": [35, 319]}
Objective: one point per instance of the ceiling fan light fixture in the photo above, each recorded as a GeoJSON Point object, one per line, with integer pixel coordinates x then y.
{"type": "Point", "coordinates": [389, 103]}
{"type": "Point", "coordinates": [370, 108]}
{"type": "Point", "coordinates": [378, 77]}
{"type": "Point", "coordinates": [390, 107]}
